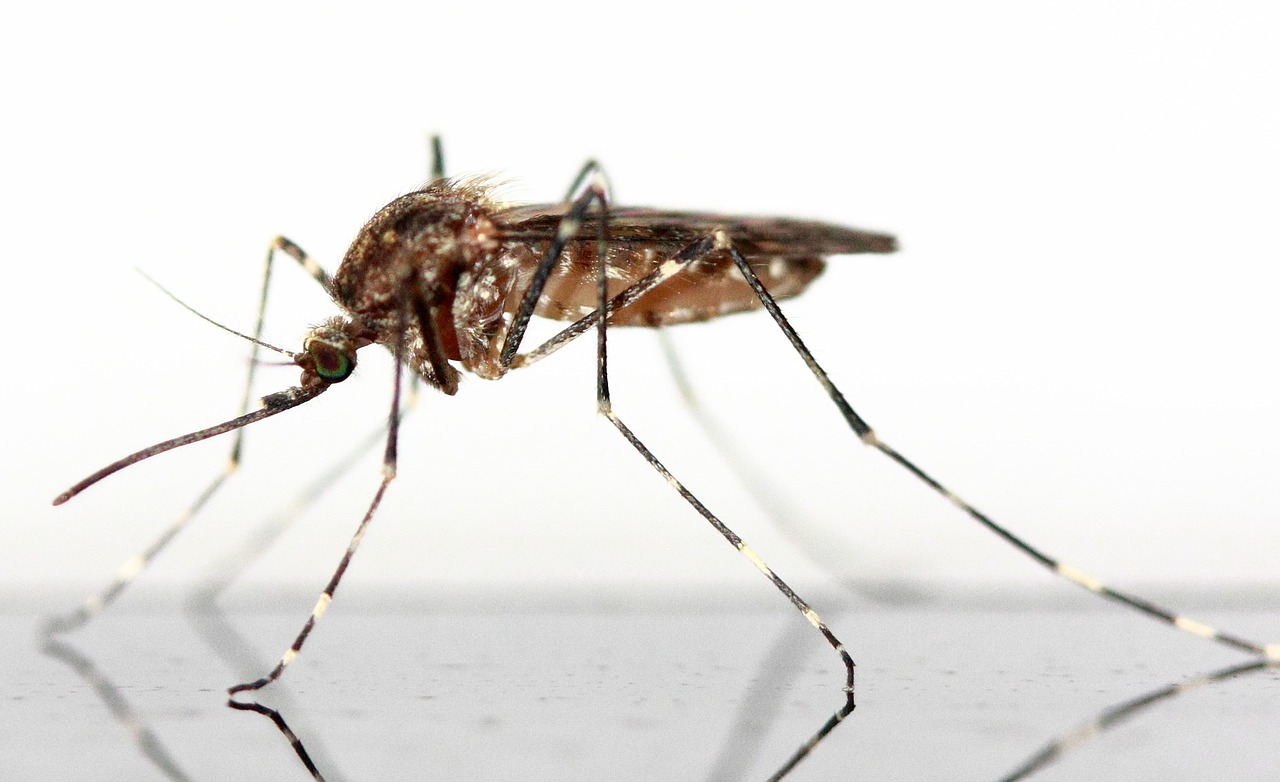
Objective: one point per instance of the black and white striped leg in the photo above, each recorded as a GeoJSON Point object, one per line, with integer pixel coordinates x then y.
{"type": "Point", "coordinates": [604, 404]}
{"type": "Point", "coordinates": [865, 433]}
{"type": "Point", "coordinates": [228, 569]}
{"type": "Point", "coordinates": [388, 475]}
{"type": "Point", "coordinates": [665, 271]}
{"type": "Point", "coordinates": [832, 552]}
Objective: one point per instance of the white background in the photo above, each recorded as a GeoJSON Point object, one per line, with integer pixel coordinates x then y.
{"type": "Point", "coordinates": [1078, 334]}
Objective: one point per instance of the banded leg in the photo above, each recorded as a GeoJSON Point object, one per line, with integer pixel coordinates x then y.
{"type": "Point", "coordinates": [227, 570]}
{"type": "Point", "coordinates": [737, 542]}
{"type": "Point", "coordinates": [868, 436]}
{"type": "Point", "coordinates": [604, 405]}
{"type": "Point", "coordinates": [388, 457]}
{"type": "Point", "coordinates": [596, 191]}
{"type": "Point", "coordinates": [831, 552]}
{"type": "Point", "coordinates": [388, 474]}
{"type": "Point", "coordinates": [97, 602]}
{"type": "Point", "coordinates": [224, 638]}
{"type": "Point", "coordinates": [665, 271]}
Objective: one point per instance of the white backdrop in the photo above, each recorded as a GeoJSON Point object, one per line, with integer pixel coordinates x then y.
{"type": "Point", "coordinates": [1078, 334]}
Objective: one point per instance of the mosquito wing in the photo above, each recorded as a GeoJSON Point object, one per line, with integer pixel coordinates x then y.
{"type": "Point", "coordinates": [785, 254]}
{"type": "Point", "coordinates": [640, 227]}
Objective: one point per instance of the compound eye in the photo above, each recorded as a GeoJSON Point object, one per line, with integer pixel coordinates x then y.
{"type": "Point", "coordinates": [332, 363]}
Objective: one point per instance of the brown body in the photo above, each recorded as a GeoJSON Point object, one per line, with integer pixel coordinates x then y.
{"type": "Point", "coordinates": [450, 267]}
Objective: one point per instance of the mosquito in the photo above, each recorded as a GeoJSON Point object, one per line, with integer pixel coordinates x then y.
{"type": "Point", "coordinates": [448, 279]}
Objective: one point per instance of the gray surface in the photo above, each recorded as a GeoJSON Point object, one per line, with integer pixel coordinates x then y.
{"type": "Point", "coordinates": [531, 692]}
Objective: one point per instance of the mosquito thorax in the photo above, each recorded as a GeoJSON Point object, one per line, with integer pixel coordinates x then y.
{"type": "Point", "coordinates": [399, 278]}
{"type": "Point", "coordinates": [416, 245]}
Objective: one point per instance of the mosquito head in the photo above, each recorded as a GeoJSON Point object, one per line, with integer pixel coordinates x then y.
{"type": "Point", "coordinates": [329, 353]}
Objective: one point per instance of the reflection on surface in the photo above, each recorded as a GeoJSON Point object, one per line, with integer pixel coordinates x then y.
{"type": "Point", "coordinates": [278, 720]}
{"type": "Point", "coordinates": [143, 737]}
{"type": "Point", "coordinates": [1126, 710]}
{"type": "Point", "coordinates": [691, 693]}
{"type": "Point", "coordinates": [237, 654]}
{"type": "Point", "coordinates": [645, 686]}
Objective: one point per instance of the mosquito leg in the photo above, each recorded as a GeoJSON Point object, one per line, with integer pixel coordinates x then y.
{"type": "Point", "coordinates": [665, 271]}
{"type": "Point", "coordinates": [865, 433]}
{"type": "Point", "coordinates": [217, 631]}
{"type": "Point", "coordinates": [388, 474]}
{"type": "Point", "coordinates": [596, 190]}
{"type": "Point", "coordinates": [228, 569]}
{"type": "Point", "coordinates": [307, 263]}
{"type": "Point", "coordinates": [437, 158]}
{"type": "Point", "coordinates": [604, 404]}
{"type": "Point", "coordinates": [135, 565]}
{"type": "Point", "coordinates": [606, 409]}
{"type": "Point", "coordinates": [591, 170]}
{"type": "Point", "coordinates": [831, 552]}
